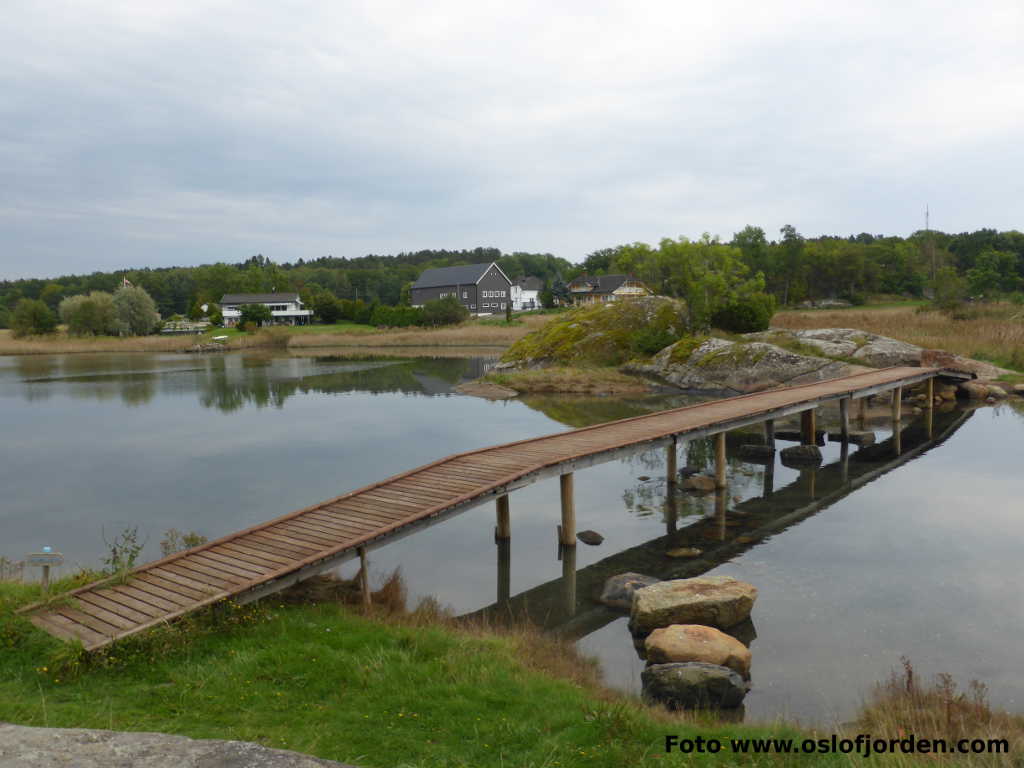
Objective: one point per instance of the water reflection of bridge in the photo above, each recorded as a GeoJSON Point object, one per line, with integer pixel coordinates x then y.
{"type": "Point", "coordinates": [569, 603]}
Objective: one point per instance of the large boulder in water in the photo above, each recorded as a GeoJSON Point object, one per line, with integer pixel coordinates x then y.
{"type": "Point", "coordinates": [712, 601]}
{"type": "Point", "coordinates": [693, 685]}
{"type": "Point", "coordinates": [692, 642]}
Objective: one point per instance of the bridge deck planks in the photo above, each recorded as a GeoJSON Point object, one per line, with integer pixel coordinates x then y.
{"type": "Point", "coordinates": [258, 556]}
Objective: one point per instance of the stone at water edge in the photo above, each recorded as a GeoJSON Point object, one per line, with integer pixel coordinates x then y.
{"type": "Point", "coordinates": [973, 390]}
{"type": "Point", "coordinates": [1018, 389]}
{"type": "Point", "coordinates": [685, 552]}
{"type": "Point", "coordinates": [801, 454]}
{"type": "Point", "coordinates": [997, 392]}
{"type": "Point", "coordinates": [701, 483]}
{"type": "Point", "coordinates": [693, 642]}
{"type": "Point", "coordinates": [713, 601]}
{"type": "Point", "coordinates": [693, 685]}
{"type": "Point", "coordinates": [593, 538]}
{"type": "Point", "coordinates": [618, 590]}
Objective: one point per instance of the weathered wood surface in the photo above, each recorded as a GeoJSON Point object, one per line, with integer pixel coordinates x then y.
{"type": "Point", "coordinates": [269, 556]}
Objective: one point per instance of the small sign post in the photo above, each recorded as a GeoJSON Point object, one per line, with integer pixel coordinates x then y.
{"type": "Point", "coordinates": [45, 559]}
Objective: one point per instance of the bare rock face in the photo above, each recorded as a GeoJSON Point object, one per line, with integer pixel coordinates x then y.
{"type": "Point", "coordinates": [869, 348]}
{"type": "Point", "coordinates": [940, 358]}
{"type": "Point", "coordinates": [718, 365]}
{"type": "Point", "coordinates": [693, 685]}
{"type": "Point", "coordinates": [618, 590]}
{"type": "Point", "coordinates": [692, 642]}
{"type": "Point", "coordinates": [712, 601]}
{"type": "Point", "coordinates": [23, 747]}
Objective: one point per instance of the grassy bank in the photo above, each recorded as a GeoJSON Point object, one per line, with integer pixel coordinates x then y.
{"type": "Point", "coordinates": [484, 332]}
{"type": "Point", "coordinates": [992, 332]}
{"type": "Point", "coordinates": [410, 689]}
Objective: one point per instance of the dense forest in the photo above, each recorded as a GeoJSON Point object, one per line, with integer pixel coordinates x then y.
{"type": "Point", "coordinates": [985, 263]}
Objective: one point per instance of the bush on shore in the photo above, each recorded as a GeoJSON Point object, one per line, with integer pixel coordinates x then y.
{"type": "Point", "coordinates": [31, 317]}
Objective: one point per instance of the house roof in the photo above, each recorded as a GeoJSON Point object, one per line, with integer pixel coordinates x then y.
{"type": "Point", "coordinates": [257, 298]}
{"type": "Point", "coordinates": [530, 283]}
{"type": "Point", "coordinates": [467, 274]}
{"type": "Point", "coordinates": [601, 283]}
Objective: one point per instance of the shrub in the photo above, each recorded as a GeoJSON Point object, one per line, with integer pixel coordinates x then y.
{"type": "Point", "coordinates": [648, 341]}
{"type": "Point", "coordinates": [326, 308]}
{"type": "Point", "coordinates": [5, 317]}
{"type": "Point", "coordinates": [446, 311]}
{"type": "Point", "coordinates": [255, 314]}
{"type": "Point", "coordinates": [91, 315]}
{"type": "Point", "coordinates": [396, 317]}
{"type": "Point", "coordinates": [746, 315]}
{"type": "Point", "coordinates": [32, 316]}
{"type": "Point", "coordinates": [136, 311]}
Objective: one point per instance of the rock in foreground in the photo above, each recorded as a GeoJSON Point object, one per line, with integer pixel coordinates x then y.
{"type": "Point", "coordinates": [46, 747]}
{"type": "Point", "coordinates": [618, 590]}
{"type": "Point", "coordinates": [693, 685]}
{"type": "Point", "coordinates": [712, 601]}
{"type": "Point", "coordinates": [692, 642]}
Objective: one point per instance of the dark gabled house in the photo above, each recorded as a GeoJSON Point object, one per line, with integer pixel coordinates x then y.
{"type": "Point", "coordinates": [594, 289]}
{"type": "Point", "coordinates": [483, 289]}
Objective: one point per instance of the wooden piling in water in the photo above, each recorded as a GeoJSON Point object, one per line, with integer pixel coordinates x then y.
{"type": "Point", "coordinates": [568, 529]}
{"type": "Point", "coordinates": [769, 432]}
{"type": "Point", "coordinates": [504, 527]}
{"type": "Point", "coordinates": [808, 432]}
{"type": "Point", "coordinates": [671, 466]}
{"type": "Point", "coordinates": [897, 405]}
{"type": "Point", "coordinates": [844, 420]}
{"type": "Point", "coordinates": [720, 460]}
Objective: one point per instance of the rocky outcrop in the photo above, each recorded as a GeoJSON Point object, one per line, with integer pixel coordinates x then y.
{"type": "Point", "coordinates": [26, 747]}
{"type": "Point", "coordinates": [713, 601]}
{"type": "Point", "coordinates": [692, 642]}
{"type": "Point", "coordinates": [718, 365]}
{"type": "Point", "coordinates": [940, 358]}
{"type": "Point", "coordinates": [693, 685]}
{"type": "Point", "coordinates": [867, 348]}
{"type": "Point", "coordinates": [618, 590]}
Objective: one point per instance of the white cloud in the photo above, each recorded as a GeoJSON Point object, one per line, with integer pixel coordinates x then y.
{"type": "Point", "coordinates": [159, 133]}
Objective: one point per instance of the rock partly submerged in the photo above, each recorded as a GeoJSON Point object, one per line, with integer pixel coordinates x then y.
{"type": "Point", "coordinates": [693, 685]}
{"type": "Point", "coordinates": [618, 590]}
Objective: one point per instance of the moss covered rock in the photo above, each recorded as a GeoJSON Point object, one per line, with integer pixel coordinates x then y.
{"type": "Point", "coordinates": [603, 334]}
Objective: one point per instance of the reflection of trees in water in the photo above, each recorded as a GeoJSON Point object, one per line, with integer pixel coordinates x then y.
{"type": "Point", "coordinates": [265, 385]}
{"type": "Point", "coordinates": [577, 411]}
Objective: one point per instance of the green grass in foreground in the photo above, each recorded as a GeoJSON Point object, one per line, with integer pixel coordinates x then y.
{"type": "Point", "coordinates": [325, 681]}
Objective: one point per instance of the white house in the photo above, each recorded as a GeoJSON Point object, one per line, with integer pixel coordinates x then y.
{"type": "Point", "coordinates": [285, 308]}
{"type": "Point", "coordinates": [525, 293]}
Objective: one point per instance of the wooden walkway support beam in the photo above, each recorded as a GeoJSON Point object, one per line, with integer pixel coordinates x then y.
{"type": "Point", "coordinates": [844, 420]}
{"type": "Point", "coordinates": [671, 465]}
{"type": "Point", "coordinates": [720, 465]}
{"type": "Point", "coordinates": [503, 530]}
{"type": "Point", "coordinates": [568, 527]}
{"type": "Point", "coordinates": [808, 430]}
{"type": "Point", "coordinates": [769, 432]}
{"type": "Point", "coordinates": [364, 578]}
{"type": "Point", "coordinates": [897, 404]}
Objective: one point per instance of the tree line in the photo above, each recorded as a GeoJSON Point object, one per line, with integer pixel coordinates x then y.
{"type": "Point", "coordinates": [709, 272]}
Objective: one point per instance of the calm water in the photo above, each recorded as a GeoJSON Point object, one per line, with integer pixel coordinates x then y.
{"type": "Point", "coordinates": [919, 559]}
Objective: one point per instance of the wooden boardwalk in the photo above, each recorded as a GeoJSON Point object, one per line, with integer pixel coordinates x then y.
{"type": "Point", "coordinates": [271, 556]}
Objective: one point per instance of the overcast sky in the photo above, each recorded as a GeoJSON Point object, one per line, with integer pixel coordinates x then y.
{"type": "Point", "coordinates": [153, 133]}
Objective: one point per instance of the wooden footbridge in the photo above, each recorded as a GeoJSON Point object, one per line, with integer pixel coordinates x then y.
{"type": "Point", "coordinates": [266, 558]}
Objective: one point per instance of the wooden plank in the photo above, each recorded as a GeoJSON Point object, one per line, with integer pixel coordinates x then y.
{"type": "Point", "coordinates": [342, 526]}
{"type": "Point", "coordinates": [301, 532]}
{"type": "Point", "coordinates": [230, 566]}
{"type": "Point", "coordinates": [200, 573]}
{"type": "Point", "coordinates": [261, 559]}
{"type": "Point", "coordinates": [157, 597]}
{"type": "Point", "coordinates": [172, 582]}
{"type": "Point", "coordinates": [87, 620]}
{"type": "Point", "coordinates": [318, 528]}
{"type": "Point", "coordinates": [303, 547]}
{"type": "Point", "coordinates": [70, 629]}
{"type": "Point", "coordinates": [109, 611]}
{"type": "Point", "coordinates": [209, 565]}
{"type": "Point", "coordinates": [260, 548]}
{"type": "Point", "coordinates": [137, 606]}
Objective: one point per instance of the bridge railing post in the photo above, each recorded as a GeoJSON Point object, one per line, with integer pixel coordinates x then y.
{"type": "Point", "coordinates": [504, 526]}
